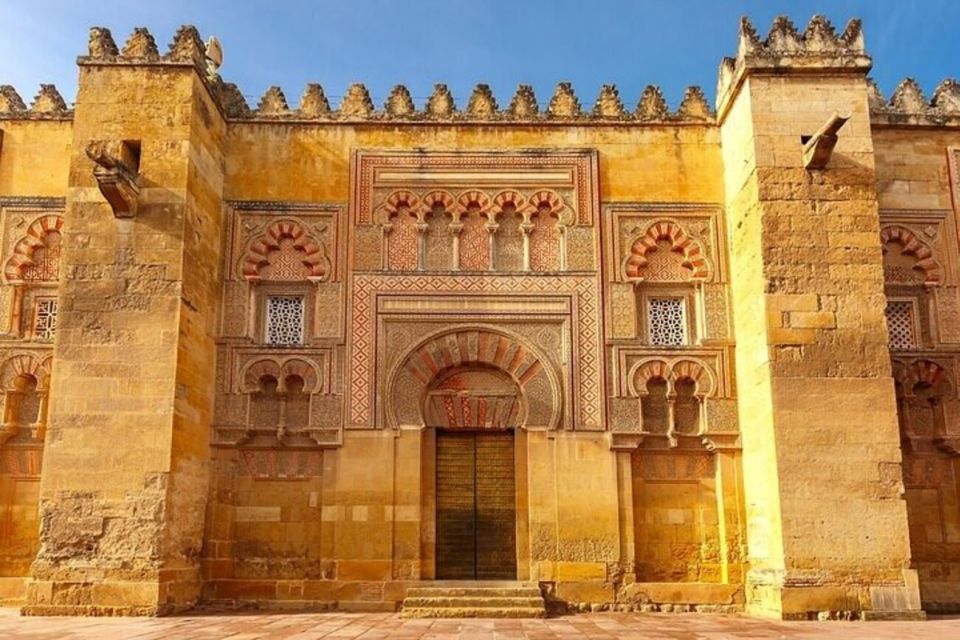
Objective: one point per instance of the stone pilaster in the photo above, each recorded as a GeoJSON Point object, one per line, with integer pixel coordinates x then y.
{"type": "Point", "coordinates": [124, 483]}
{"type": "Point", "coordinates": [827, 524]}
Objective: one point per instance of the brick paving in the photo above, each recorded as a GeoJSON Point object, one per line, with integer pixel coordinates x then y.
{"type": "Point", "coordinates": [368, 626]}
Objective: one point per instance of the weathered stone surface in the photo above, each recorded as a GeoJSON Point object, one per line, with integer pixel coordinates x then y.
{"type": "Point", "coordinates": [260, 321]}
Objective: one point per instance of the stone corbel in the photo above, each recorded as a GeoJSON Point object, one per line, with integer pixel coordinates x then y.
{"type": "Point", "coordinates": [116, 169]}
{"type": "Point", "coordinates": [818, 149]}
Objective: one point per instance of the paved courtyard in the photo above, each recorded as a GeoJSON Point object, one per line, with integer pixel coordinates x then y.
{"type": "Point", "coordinates": [305, 626]}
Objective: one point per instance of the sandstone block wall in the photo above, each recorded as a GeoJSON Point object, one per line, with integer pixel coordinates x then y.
{"type": "Point", "coordinates": [684, 322]}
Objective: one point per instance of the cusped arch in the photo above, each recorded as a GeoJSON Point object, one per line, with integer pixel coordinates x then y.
{"type": "Point", "coordinates": [37, 236]}
{"type": "Point", "coordinates": [913, 246]}
{"type": "Point", "coordinates": [25, 364]}
{"type": "Point", "coordinates": [258, 253]}
{"type": "Point", "coordinates": [482, 346]}
{"type": "Point", "coordinates": [666, 230]}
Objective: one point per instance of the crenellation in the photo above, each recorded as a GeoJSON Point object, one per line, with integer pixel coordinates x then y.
{"type": "Point", "coordinates": [11, 104]}
{"type": "Point", "coordinates": [652, 106]}
{"type": "Point", "coordinates": [909, 106]}
{"type": "Point", "coordinates": [101, 45]}
{"type": "Point", "coordinates": [187, 46]}
{"type": "Point", "coordinates": [694, 106]}
{"type": "Point", "coordinates": [564, 102]}
{"type": "Point", "coordinates": [48, 102]}
{"type": "Point", "coordinates": [273, 103]}
{"type": "Point", "coordinates": [313, 102]}
{"type": "Point", "coordinates": [608, 104]}
{"type": "Point", "coordinates": [234, 104]}
{"type": "Point", "coordinates": [523, 106]}
{"type": "Point", "coordinates": [440, 104]}
{"type": "Point", "coordinates": [141, 46]}
{"type": "Point", "coordinates": [482, 105]}
{"type": "Point", "coordinates": [399, 103]}
{"type": "Point", "coordinates": [356, 103]}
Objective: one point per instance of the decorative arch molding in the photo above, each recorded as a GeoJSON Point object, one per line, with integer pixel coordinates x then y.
{"type": "Point", "coordinates": [29, 364]}
{"type": "Point", "coordinates": [36, 237]}
{"type": "Point", "coordinates": [280, 369]}
{"type": "Point", "coordinates": [439, 198]}
{"type": "Point", "coordinates": [913, 246]}
{"type": "Point", "coordinates": [258, 253]}
{"type": "Point", "coordinates": [508, 198]}
{"type": "Point", "coordinates": [442, 352]}
{"type": "Point", "coordinates": [928, 373]}
{"type": "Point", "coordinates": [13, 371]}
{"type": "Point", "coordinates": [694, 258]}
{"type": "Point", "coordinates": [672, 372]}
{"type": "Point", "coordinates": [551, 202]}
{"type": "Point", "coordinates": [473, 199]}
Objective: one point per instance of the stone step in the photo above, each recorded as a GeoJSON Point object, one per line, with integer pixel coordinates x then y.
{"type": "Point", "coordinates": [472, 602]}
{"type": "Point", "coordinates": [473, 612]}
{"type": "Point", "coordinates": [473, 592]}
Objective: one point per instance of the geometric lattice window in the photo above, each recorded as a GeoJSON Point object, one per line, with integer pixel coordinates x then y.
{"type": "Point", "coordinates": [666, 321]}
{"type": "Point", "coordinates": [901, 324]}
{"type": "Point", "coordinates": [285, 320]}
{"type": "Point", "coordinates": [45, 319]}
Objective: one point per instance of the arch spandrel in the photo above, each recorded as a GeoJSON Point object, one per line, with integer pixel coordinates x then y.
{"type": "Point", "coordinates": [419, 385]}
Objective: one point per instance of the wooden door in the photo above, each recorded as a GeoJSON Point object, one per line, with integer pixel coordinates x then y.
{"type": "Point", "coordinates": [476, 506]}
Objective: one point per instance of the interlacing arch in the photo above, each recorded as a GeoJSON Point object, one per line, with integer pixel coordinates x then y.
{"type": "Point", "coordinates": [693, 256]}
{"type": "Point", "coordinates": [914, 246]}
{"type": "Point", "coordinates": [37, 237]}
{"type": "Point", "coordinates": [259, 252]}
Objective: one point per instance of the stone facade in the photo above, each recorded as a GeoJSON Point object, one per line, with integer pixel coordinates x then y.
{"type": "Point", "coordinates": [238, 341]}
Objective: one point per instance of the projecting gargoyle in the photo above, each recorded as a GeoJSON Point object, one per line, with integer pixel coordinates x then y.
{"type": "Point", "coordinates": [818, 149]}
{"type": "Point", "coordinates": [116, 166]}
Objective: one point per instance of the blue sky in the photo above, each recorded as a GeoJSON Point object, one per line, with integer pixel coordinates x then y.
{"type": "Point", "coordinates": [670, 43]}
